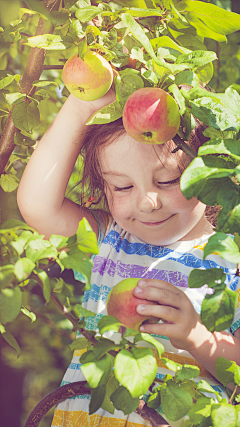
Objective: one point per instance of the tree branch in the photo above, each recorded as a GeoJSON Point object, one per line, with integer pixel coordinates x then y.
{"type": "Point", "coordinates": [32, 72]}
{"type": "Point", "coordinates": [75, 389]}
{"type": "Point", "coordinates": [181, 145]}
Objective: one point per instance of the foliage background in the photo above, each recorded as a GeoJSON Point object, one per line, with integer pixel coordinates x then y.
{"type": "Point", "coordinates": [45, 343]}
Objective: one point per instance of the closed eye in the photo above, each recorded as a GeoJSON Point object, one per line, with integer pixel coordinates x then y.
{"type": "Point", "coordinates": [123, 188]}
{"type": "Point", "coordinates": [174, 181]}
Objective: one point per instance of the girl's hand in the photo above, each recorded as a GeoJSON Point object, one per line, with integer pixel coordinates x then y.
{"type": "Point", "coordinates": [96, 105]}
{"type": "Point", "coordinates": [181, 323]}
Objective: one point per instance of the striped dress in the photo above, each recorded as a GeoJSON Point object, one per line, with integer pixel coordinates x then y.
{"type": "Point", "coordinates": [122, 255]}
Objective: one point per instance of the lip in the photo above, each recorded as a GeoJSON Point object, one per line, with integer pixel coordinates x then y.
{"type": "Point", "coordinates": [152, 224]}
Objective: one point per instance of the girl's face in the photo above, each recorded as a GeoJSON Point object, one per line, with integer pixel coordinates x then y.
{"type": "Point", "coordinates": [144, 196]}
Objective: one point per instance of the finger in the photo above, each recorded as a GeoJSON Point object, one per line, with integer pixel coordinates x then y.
{"type": "Point", "coordinates": [164, 329]}
{"type": "Point", "coordinates": [165, 313]}
{"type": "Point", "coordinates": [160, 295]}
{"type": "Point", "coordinates": [155, 283]}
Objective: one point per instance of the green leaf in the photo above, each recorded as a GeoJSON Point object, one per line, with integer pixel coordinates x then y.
{"type": "Point", "coordinates": [227, 371]}
{"type": "Point", "coordinates": [42, 275]}
{"type": "Point", "coordinates": [196, 59]}
{"type": "Point", "coordinates": [221, 146]}
{"type": "Point", "coordinates": [14, 98]}
{"type": "Point", "coordinates": [178, 97]}
{"type": "Point", "coordinates": [9, 182]}
{"type": "Point", "coordinates": [26, 116]}
{"type": "Point", "coordinates": [111, 386]}
{"type": "Point", "coordinates": [135, 370]}
{"type": "Point", "coordinates": [39, 249]}
{"type": "Point", "coordinates": [48, 42]}
{"type": "Point", "coordinates": [151, 340]}
{"type": "Point", "coordinates": [8, 80]}
{"type": "Point", "coordinates": [217, 310]}
{"type": "Point", "coordinates": [19, 244]}
{"type": "Point", "coordinates": [201, 411]}
{"type": "Point", "coordinates": [126, 84]}
{"type": "Point", "coordinates": [154, 399]}
{"type": "Point", "coordinates": [84, 312]}
{"type": "Point", "coordinates": [229, 197]}
{"type": "Point", "coordinates": [97, 398]}
{"type": "Point", "coordinates": [224, 414]}
{"type": "Point", "coordinates": [9, 338]}
{"type": "Point", "coordinates": [103, 346]}
{"type": "Point", "coordinates": [97, 371]}
{"type": "Point", "coordinates": [15, 223]}
{"type": "Point", "coordinates": [170, 364]}
{"type": "Point", "coordinates": [29, 314]}
{"type": "Point", "coordinates": [217, 19]}
{"type": "Point", "coordinates": [86, 14]}
{"type": "Point", "coordinates": [204, 387]}
{"type": "Point", "coordinates": [196, 180]}
{"type": "Point", "coordinates": [187, 77]}
{"type": "Point", "coordinates": [213, 113]}
{"type": "Point", "coordinates": [138, 32]}
{"type": "Point", "coordinates": [212, 277]}
{"type": "Point", "coordinates": [23, 268]}
{"type": "Point", "coordinates": [167, 42]}
{"type": "Point", "coordinates": [79, 344]}
{"type": "Point", "coordinates": [181, 401]}
{"type": "Point", "coordinates": [82, 48]}
{"type": "Point", "coordinates": [186, 372]}
{"type": "Point", "coordinates": [107, 114]}
{"type": "Point", "coordinates": [108, 323]}
{"type": "Point", "coordinates": [86, 238]}
{"type": "Point", "coordinates": [10, 304]}
{"type": "Point", "coordinates": [58, 241]}
{"type": "Point", "coordinates": [224, 246]}
{"type": "Point", "coordinates": [6, 275]}
{"type": "Point", "coordinates": [123, 400]}
{"type": "Point", "coordinates": [76, 260]}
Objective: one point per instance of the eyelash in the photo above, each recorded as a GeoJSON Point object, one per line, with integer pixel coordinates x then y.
{"type": "Point", "coordinates": [174, 181]}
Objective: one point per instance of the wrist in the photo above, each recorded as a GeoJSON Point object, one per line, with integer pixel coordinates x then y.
{"type": "Point", "coordinates": [86, 108]}
{"type": "Point", "coordinates": [199, 337]}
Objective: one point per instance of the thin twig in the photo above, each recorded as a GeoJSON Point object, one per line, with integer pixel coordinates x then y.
{"type": "Point", "coordinates": [181, 145]}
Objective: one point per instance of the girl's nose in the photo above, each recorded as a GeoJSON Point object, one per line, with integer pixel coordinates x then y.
{"type": "Point", "coordinates": [149, 202]}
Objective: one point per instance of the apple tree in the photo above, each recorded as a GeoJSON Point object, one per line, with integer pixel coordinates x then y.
{"type": "Point", "coordinates": [166, 44]}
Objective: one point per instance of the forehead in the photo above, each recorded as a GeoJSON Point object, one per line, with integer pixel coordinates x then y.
{"type": "Point", "coordinates": [129, 152]}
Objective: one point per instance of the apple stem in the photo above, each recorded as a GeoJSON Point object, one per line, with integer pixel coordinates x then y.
{"type": "Point", "coordinates": [181, 145]}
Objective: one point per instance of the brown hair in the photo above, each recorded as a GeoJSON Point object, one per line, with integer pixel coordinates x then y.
{"type": "Point", "coordinates": [98, 136]}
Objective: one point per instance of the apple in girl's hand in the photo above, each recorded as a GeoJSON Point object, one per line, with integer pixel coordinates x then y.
{"type": "Point", "coordinates": [121, 303]}
{"type": "Point", "coordinates": [89, 78]}
{"type": "Point", "coordinates": [151, 115]}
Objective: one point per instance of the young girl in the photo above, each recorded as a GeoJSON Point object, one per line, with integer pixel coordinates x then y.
{"type": "Point", "coordinates": [153, 232]}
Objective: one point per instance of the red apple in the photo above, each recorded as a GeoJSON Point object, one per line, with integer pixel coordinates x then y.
{"type": "Point", "coordinates": [151, 115]}
{"type": "Point", "coordinates": [88, 79]}
{"type": "Point", "coordinates": [121, 303]}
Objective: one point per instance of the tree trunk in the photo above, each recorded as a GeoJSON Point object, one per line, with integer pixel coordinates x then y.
{"type": "Point", "coordinates": [32, 72]}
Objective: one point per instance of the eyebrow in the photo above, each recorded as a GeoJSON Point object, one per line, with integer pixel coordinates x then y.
{"type": "Point", "coordinates": [114, 173]}
{"type": "Point", "coordinates": [122, 174]}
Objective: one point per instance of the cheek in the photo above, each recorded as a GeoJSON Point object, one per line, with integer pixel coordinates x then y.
{"type": "Point", "coordinates": [193, 206]}
{"type": "Point", "coordinates": [119, 207]}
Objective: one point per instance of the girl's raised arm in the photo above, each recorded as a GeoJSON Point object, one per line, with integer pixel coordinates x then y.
{"type": "Point", "coordinates": [41, 193]}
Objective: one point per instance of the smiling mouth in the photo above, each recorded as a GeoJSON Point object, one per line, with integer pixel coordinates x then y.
{"type": "Point", "coordinates": [155, 223]}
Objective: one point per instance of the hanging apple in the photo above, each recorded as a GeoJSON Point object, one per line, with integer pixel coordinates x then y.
{"type": "Point", "coordinates": [88, 78]}
{"type": "Point", "coordinates": [151, 115]}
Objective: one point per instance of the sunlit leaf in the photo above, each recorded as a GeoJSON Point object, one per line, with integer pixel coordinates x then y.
{"type": "Point", "coordinates": [135, 370]}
